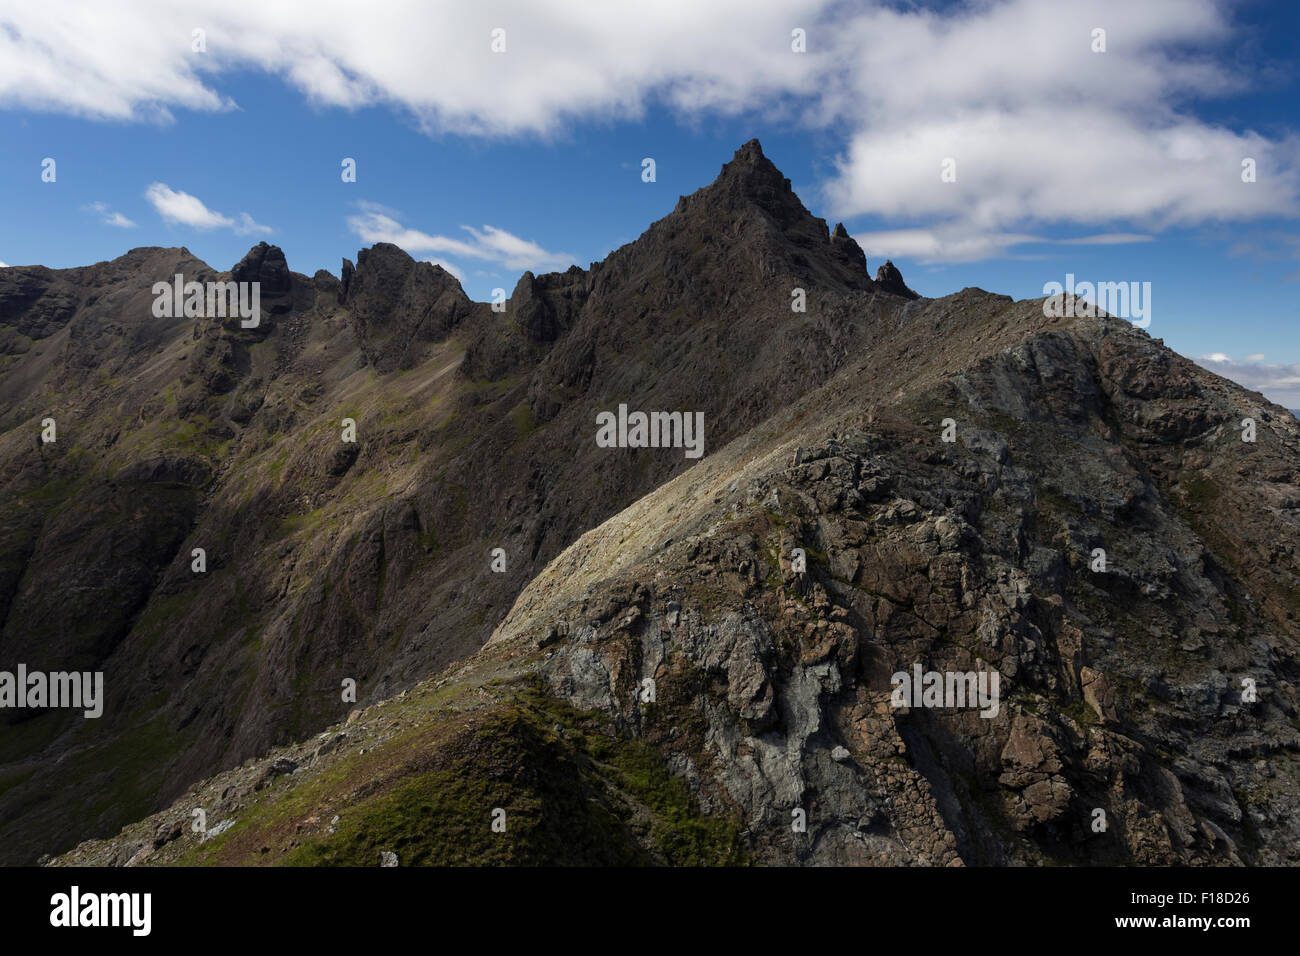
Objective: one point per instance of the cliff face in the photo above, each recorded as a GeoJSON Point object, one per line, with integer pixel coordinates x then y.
{"type": "Point", "coordinates": [1147, 712]}
{"type": "Point", "coordinates": [688, 661]}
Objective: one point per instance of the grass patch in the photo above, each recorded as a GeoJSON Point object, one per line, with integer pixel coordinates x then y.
{"type": "Point", "coordinates": [572, 791]}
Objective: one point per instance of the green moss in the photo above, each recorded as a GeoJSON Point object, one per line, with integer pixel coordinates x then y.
{"type": "Point", "coordinates": [573, 793]}
{"type": "Point", "coordinates": [311, 522]}
{"type": "Point", "coordinates": [128, 770]}
{"type": "Point", "coordinates": [1081, 711]}
{"type": "Point", "coordinates": [770, 550]}
{"type": "Point", "coordinates": [680, 833]}
{"type": "Point", "coordinates": [819, 559]}
{"type": "Point", "coordinates": [50, 492]}
{"type": "Point", "coordinates": [555, 812]}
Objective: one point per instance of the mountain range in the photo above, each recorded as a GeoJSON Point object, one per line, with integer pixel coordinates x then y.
{"type": "Point", "coordinates": [568, 653]}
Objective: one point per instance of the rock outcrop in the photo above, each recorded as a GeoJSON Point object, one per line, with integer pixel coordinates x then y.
{"type": "Point", "coordinates": [889, 279]}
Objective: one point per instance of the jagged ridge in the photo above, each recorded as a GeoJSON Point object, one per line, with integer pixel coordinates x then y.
{"type": "Point", "coordinates": [367, 561]}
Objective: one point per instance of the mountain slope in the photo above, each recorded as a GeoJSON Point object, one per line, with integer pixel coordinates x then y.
{"type": "Point", "coordinates": [328, 560]}
{"type": "Point", "coordinates": [1121, 690]}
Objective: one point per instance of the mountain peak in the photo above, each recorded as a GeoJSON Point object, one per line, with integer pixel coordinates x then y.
{"type": "Point", "coordinates": [397, 302]}
{"type": "Point", "coordinates": [890, 279]}
{"type": "Point", "coordinates": [752, 198]}
{"type": "Point", "coordinates": [751, 152]}
{"type": "Point", "coordinates": [752, 176]}
{"type": "Point", "coordinates": [262, 258]}
{"type": "Point", "coordinates": [266, 265]}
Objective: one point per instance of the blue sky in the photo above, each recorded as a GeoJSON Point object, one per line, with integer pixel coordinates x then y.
{"type": "Point", "coordinates": [1121, 165]}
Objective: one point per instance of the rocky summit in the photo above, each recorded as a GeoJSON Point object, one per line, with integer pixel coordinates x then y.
{"type": "Point", "coordinates": [956, 581]}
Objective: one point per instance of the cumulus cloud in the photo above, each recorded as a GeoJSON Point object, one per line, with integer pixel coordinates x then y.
{"type": "Point", "coordinates": [180, 208]}
{"type": "Point", "coordinates": [450, 267]}
{"type": "Point", "coordinates": [245, 225]}
{"type": "Point", "coordinates": [377, 223]}
{"type": "Point", "coordinates": [4, 265]}
{"type": "Point", "coordinates": [1279, 383]}
{"type": "Point", "coordinates": [110, 218]}
{"type": "Point", "coordinates": [562, 59]}
{"type": "Point", "coordinates": [962, 243]}
{"type": "Point", "coordinates": [1040, 130]}
{"type": "Point", "coordinates": [1044, 132]}
{"type": "Point", "coordinates": [516, 253]}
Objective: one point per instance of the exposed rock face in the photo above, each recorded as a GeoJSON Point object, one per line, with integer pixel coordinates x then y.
{"type": "Point", "coordinates": [266, 265]}
{"type": "Point", "coordinates": [848, 248]}
{"type": "Point", "coordinates": [397, 303]}
{"type": "Point", "coordinates": [771, 225]}
{"type": "Point", "coordinates": [37, 303]}
{"type": "Point", "coordinates": [1123, 691]}
{"type": "Point", "coordinates": [329, 560]}
{"type": "Point", "coordinates": [889, 279]}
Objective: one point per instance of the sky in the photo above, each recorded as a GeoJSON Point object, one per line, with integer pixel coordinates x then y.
{"type": "Point", "coordinates": [1005, 144]}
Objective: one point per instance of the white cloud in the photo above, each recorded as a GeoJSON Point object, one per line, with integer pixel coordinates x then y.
{"type": "Point", "coordinates": [1045, 133]}
{"type": "Point", "coordinates": [180, 208]}
{"type": "Point", "coordinates": [4, 265]}
{"type": "Point", "coordinates": [450, 267]}
{"type": "Point", "coordinates": [110, 218]}
{"type": "Point", "coordinates": [1278, 383]}
{"type": "Point", "coordinates": [1105, 239]}
{"type": "Point", "coordinates": [929, 245]}
{"type": "Point", "coordinates": [516, 253]}
{"type": "Point", "coordinates": [377, 223]}
{"type": "Point", "coordinates": [563, 59]}
{"type": "Point", "coordinates": [1041, 129]}
{"type": "Point", "coordinates": [965, 243]}
{"type": "Point", "coordinates": [1012, 171]}
{"type": "Point", "coordinates": [246, 226]}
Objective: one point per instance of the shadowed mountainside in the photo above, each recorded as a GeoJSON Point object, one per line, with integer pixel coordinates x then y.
{"type": "Point", "coordinates": [328, 560]}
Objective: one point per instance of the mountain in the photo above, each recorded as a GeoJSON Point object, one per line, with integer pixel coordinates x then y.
{"type": "Point", "coordinates": [328, 560]}
{"type": "Point", "coordinates": [948, 468]}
